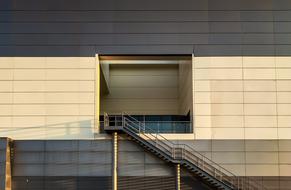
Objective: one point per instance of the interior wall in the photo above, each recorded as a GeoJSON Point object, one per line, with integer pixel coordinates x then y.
{"type": "Point", "coordinates": [142, 89]}
{"type": "Point", "coordinates": [185, 87]}
{"type": "Point", "coordinates": [47, 97]}
{"type": "Point", "coordinates": [242, 97]}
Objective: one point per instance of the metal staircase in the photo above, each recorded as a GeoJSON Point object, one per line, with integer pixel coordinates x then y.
{"type": "Point", "coordinates": [199, 165]}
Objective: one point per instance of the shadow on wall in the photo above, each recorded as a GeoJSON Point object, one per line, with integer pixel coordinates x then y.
{"type": "Point", "coordinates": [83, 129]}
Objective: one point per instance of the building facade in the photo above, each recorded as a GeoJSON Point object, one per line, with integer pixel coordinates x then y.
{"type": "Point", "coordinates": [215, 75]}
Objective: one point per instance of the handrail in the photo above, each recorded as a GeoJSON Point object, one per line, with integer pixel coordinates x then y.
{"type": "Point", "coordinates": [187, 153]}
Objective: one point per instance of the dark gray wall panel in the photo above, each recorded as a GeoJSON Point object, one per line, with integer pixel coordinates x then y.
{"type": "Point", "coordinates": [87, 27]}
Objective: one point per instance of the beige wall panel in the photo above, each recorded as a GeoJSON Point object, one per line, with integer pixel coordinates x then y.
{"type": "Point", "coordinates": [260, 121]}
{"type": "Point", "coordinates": [285, 157]}
{"type": "Point", "coordinates": [53, 121]}
{"type": "Point", "coordinates": [73, 98]}
{"type": "Point", "coordinates": [260, 97]}
{"type": "Point", "coordinates": [6, 86]}
{"type": "Point", "coordinates": [284, 133]}
{"type": "Point", "coordinates": [64, 109]}
{"type": "Point", "coordinates": [29, 74]}
{"type": "Point", "coordinates": [70, 86]}
{"type": "Point", "coordinates": [218, 97]}
{"type": "Point", "coordinates": [28, 98]}
{"type": "Point", "coordinates": [70, 74]}
{"type": "Point", "coordinates": [218, 74]}
{"type": "Point", "coordinates": [283, 61]}
{"type": "Point", "coordinates": [284, 109]}
{"type": "Point", "coordinates": [143, 93]}
{"type": "Point", "coordinates": [256, 61]}
{"type": "Point", "coordinates": [29, 109]}
{"type": "Point", "coordinates": [210, 62]}
{"type": "Point", "coordinates": [284, 97]}
{"type": "Point", "coordinates": [29, 121]}
{"type": "Point", "coordinates": [5, 122]}
{"type": "Point", "coordinates": [261, 157]}
{"type": "Point", "coordinates": [6, 62]}
{"type": "Point", "coordinates": [259, 73]}
{"type": "Point", "coordinates": [284, 85]}
{"type": "Point", "coordinates": [6, 74]}
{"type": "Point", "coordinates": [259, 85]}
{"type": "Point", "coordinates": [285, 145]}
{"type": "Point", "coordinates": [5, 110]}
{"type": "Point", "coordinates": [202, 133]}
{"type": "Point", "coordinates": [261, 145]}
{"type": "Point", "coordinates": [26, 133]}
{"type": "Point", "coordinates": [260, 109]}
{"type": "Point", "coordinates": [218, 109]}
{"type": "Point", "coordinates": [70, 62]}
{"type": "Point", "coordinates": [283, 73]}
{"type": "Point", "coordinates": [218, 86]}
{"type": "Point", "coordinates": [143, 81]}
{"type": "Point", "coordinates": [29, 86]}
{"type": "Point", "coordinates": [236, 169]}
{"type": "Point", "coordinates": [228, 157]}
{"type": "Point", "coordinates": [219, 121]}
{"type": "Point", "coordinates": [284, 121]}
{"type": "Point", "coordinates": [261, 133]}
{"type": "Point", "coordinates": [6, 98]}
{"type": "Point", "coordinates": [29, 62]}
{"type": "Point", "coordinates": [228, 133]}
{"type": "Point", "coordinates": [262, 170]}
{"type": "Point", "coordinates": [285, 170]}
{"type": "Point", "coordinates": [228, 145]}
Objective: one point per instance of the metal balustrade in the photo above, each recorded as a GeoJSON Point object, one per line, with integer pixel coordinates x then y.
{"type": "Point", "coordinates": [183, 154]}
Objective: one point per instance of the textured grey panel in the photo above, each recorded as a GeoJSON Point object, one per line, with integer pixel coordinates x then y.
{"type": "Point", "coordinates": [29, 145]}
{"type": "Point", "coordinates": [228, 145]}
{"type": "Point", "coordinates": [94, 170]}
{"type": "Point", "coordinates": [216, 50]}
{"type": "Point", "coordinates": [104, 5]}
{"type": "Point", "coordinates": [224, 16]}
{"type": "Point", "coordinates": [69, 145]}
{"type": "Point", "coordinates": [29, 157]}
{"type": "Point", "coordinates": [136, 27]}
{"type": "Point", "coordinates": [282, 38]}
{"type": "Point", "coordinates": [221, 27]}
{"type": "Point", "coordinates": [28, 170]}
{"type": "Point", "coordinates": [94, 157]}
{"type": "Point", "coordinates": [261, 145]}
{"type": "Point", "coordinates": [283, 50]}
{"type": "Point", "coordinates": [125, 145]}
{"type": "Point", "coordinates": [95, 145]}
{"type": "Point", "coordinates": [131, 157]}
{"type": "Point", "coordinates": [259, 39]}
{"type": "Point", "coordinates": [61, 157]}
{"type": "Point", "coordinates": [159, 170]}
{"type": "Point", "coordinates": [284, 145]}
{"type": "Point", "coordinates": [202, 145]}
{"type": "Point", "coordinates": [225, 38]}
{"type": "Point", "coordinates": [131, 170]}
{"type": "Point", "coordinates": [262, 27]}
{"type": "Point", "coordinates": [282, 27]}
{"type": "Point", "coordinates": [3, 143]}
{"type": "Point", "coordinates": [61, 170]}
{"type": "Point", "coordinates": [256, 15]}
{"type": "Point", "coordinates": [103, 39]}
{"type": "Point", "coordinates": [152, 159]}
{"type": "Point", "coordinates": [110, 16]}
{"type": "Point", "coordinates": [258, 50]}
{"type": "Point", "coordinates": [282, 15]}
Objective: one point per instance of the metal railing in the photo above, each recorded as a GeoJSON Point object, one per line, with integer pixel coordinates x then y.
{"type": "Point", "coordinates": [181, 152]}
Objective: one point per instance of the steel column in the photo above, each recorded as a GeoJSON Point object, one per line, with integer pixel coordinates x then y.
{"type": "Point", "coordinates": [114, 160]}
{"type": "Point", "coordinates": [178, 177]}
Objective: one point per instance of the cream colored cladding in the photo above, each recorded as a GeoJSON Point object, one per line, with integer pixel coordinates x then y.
{"type": "Point", "coordinates": [47, 97]}
{"type": "Point", "coordinates": [142, 89]}
{"type": "Point", "coordinates": [242, 97]}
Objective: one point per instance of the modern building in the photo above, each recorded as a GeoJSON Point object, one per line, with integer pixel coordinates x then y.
{"type": "Point", "coordinates": [129, 94]}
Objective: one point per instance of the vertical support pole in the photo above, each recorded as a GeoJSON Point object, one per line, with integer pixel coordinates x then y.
{"type": "Point", "coordinates": [114, 160]}
{"type": "Point", "coordinates": [97, 95]}
{"type": "Point", "coordinates": [178, 177]}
